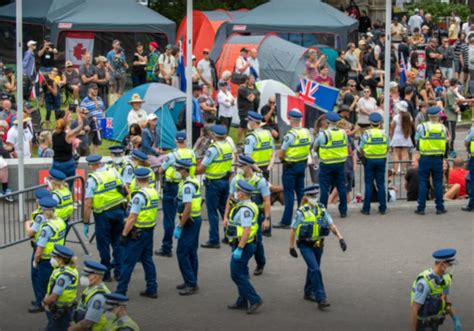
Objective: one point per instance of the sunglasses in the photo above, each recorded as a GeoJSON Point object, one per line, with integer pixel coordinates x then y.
{"type": "Point", "coordinates": [352, 85]}
{"type": "Point", "coordinates": [272, 102]}
{"type": "Point", "coordinates": [205, 53]}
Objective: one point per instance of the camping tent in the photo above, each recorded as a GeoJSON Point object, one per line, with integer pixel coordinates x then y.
{"type": "Point", "coordinates": [304, 22]}
{"type": "Point", "coordinates": [165, 101]}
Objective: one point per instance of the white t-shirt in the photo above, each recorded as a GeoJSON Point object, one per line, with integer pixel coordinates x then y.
{"type": "Point", "coordinates": [370, 105]}
{"type": "Point", "coordinates": [255, 65]}
{"type": "Point", "coordinates": [239, 64]}
{"type": "Point", "coordinates": [224, 99]}
{"type": "Point", "coordinates": [136, 116]}
{"type": "Point", "coordinates": [206, 71]}
{"type": "Point", "coordinates": [12, 138]}
{"type": "Point", "coordinates": [168, 62]}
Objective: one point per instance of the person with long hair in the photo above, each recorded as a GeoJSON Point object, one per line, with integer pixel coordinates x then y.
{"type": "Point", "coordinates": [134, 131]}
{"type": "Point", "coordinates": [428, 94]}
{"type": "Point", "coordinates": [400, 137]}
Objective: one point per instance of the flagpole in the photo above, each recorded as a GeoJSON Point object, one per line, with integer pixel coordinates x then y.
{"type": "Point", "coordinates": [189, 72]}
{"type": "Point", "coordinates": [19, 101]}
{"type": "Point", "coordinates": [386, 87]}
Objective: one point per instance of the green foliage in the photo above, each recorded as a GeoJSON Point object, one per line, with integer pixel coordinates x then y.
{"type": "Point", "coordinates": [175, 10]}
{"type": "Point", "coordinates": [440, 10]}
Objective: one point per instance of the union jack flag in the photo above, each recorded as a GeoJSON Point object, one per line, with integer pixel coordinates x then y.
{"type": "Point", "coordinates": [319, 95]}
{"type": "Point", "coordinates": [308, 90]}
{"type": "Point", "coordinates": [109, 124]}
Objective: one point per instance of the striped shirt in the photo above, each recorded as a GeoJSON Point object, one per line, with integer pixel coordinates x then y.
{"type": "Point", "coordinates": [94, 112]}
{"type": "Point", "coordinates": [461, 48]}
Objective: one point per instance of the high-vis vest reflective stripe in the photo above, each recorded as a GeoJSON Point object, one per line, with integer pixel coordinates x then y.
{"type": "Point", "coordinates": [299, 149]}
{"type": "Point", "coordinates": [106, 195]}
{"type": "Point", "coordinates": [68, 297]}
{"type": "Point", "coordinates": [119, 167]}
{"type": "Point", "coordinates": [222, 164]}
{"type": "Point", "coordinates": [181, 154]}
{"type": "Point", "coordinates": [58, 226]}
{"type": "Point", "coordinates": [254, 181]}
{"type": "Point", "coordinates": [148, 214]}
{"type": "Point", "coordinates": [309, 221]}
{"type": "Point", "coordinates": [134, 188]}
{"type": "Point", "coordinates": [236, 225]}
{"type": "Point", "coordinates": [376, 146]}
{"type": "Point", "coordinates": [433, 142]}
{"type": "Point", "coordinates": [196, 202]}
{"type": "Point", "coordinates": [263, 150]}
{"type": "Point", "coordinates": [335, 149]}
{"type": "Point", "coordinates": [436, 295]}
{"type": "Point", "coordinates": [65, 207]}
{"type": "Point", "coordinates": [86, 296]}
{"type": "Point", "coordinates": [122, 323]}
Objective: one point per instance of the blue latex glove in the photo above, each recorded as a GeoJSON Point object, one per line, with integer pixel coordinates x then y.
{"type": "Point", "coordinates": [457, 323]}
{"type": "Point", "coordinates": [237, 253]}
{"type": "Point", "coordinates": [86, 230]}
{"type": "Point", "coordinates": [177, 232]}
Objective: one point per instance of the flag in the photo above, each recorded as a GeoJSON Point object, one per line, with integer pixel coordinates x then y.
{"type": "Point", "coordinates": [37, 85]}
{"type": "Point", "coordinates": [403, 71]}
{"type": "Point", "coordinates": [181, 70]}
{"type": "Point", "coordinates": [321, 96]}
{"type": "Point", "coordinates": [285, 103]}
{"type": "Point", "coordinates": [78, 44]}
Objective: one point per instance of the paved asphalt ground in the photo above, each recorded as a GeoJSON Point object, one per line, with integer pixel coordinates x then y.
{"type": "Point", "coordinates": [368, 285]}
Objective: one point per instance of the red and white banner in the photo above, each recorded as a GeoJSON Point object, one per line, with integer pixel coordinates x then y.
{"type": "Point", "coordinates": [285, 103]}
{"type": "Point", "coordinates": [78, 44]}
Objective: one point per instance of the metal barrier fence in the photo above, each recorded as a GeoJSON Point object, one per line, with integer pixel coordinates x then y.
{"type": "Point", "coordinates": [12, 227]}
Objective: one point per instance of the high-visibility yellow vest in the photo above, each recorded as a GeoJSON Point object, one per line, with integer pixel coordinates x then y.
{"type": "Point", "coordinates": [222, 164]}
{"type": "Point", "coordinates": [122, 323]}
{"type": "Point", "coordinates": [196, 202]}
{"type": "Point", "coordinates": [254, 181]}
{"type": "Point", "coordinates": [314, 225]}
{"type": "Point", "coordinates": [235, 230]}
{"type": "Point", "coordinates": [134, 188]}
{"type": "Point", "coordinates": [106, 194]}
{"type": "Point", "coordinates": [433, 142]}
{"type": "Point", "coordinates": [299, 149]}
{"type": "Point", "coordinates": [376, 146]}
{"type": "Point", "coordinates": [181, 154]}
{"type": "Point", "coordinates": [58, 226]}
{"type": "Point", "coordinates": [86, 296]}
{"type": "Point", "coordinates": [148, 214]}
{"type": "Point", "coordinates": [335, 149]}
{"type": "Point", "coordinates": [68, 297]}
{"type": "Point", "coordinates": [65, 207]}
{"type": "Point", "coordinates": [263, 150]}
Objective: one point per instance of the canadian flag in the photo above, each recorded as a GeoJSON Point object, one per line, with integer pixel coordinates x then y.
{"type": "Point", "coordinates": [78, 44]}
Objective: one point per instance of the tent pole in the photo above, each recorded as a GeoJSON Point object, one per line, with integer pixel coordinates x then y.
{"type": "Point", "coordinates": [189, 72]}
{"type": "Point", "coordinates": [386, 87]}
{"type": "Point", "coordinates": [19, 99]}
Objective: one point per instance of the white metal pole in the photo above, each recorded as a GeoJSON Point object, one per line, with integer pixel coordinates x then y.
{"type": "Point", "coordinates": [19, 99]}
{"type": "Point", "coordinates": [386, 87]}
{"type": "Point", "coordinates": [189, 72]}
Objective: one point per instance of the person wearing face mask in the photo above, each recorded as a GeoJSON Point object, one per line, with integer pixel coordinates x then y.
{"type": "Point", "coordinates": [260, 195]}
{"type": "Point", "coordinates": [139, 159]}
{"type": "Point", "coordinates": [90, 313]}
{"type": "Point", "coordinates": [137, 235]}
{"type": "Point", "coordinates": [118, 317]}
{"type": "Point", "coordinates": [429, 302]}
{"type": "Point", "coordinates": [61, 295]}
{"type": "Point", "coordinates": [170, 189]}
{"type": "Point", "coordinates": [62, 194]}
{"type": "Point", "coordinates": [312, 223]}
{"type": "Point", "coordinates": [241, 231]}
{"type": "Point", "coordinates": [189, 203]}
{"type": "Point", "coordinates": [217, 165]}
{"type": "Point", "coordinates": [118, 162]}
{"type": "Point", "coordinates": [49, 233]}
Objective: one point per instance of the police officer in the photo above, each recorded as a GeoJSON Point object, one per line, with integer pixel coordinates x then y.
{"type": "Point", "coordinates": [333, 152]}
{"type": "Point", "coordinates": [189, 225]}
{"type": "Point", "coordinates": [259, 144]}
{"type": "Point", "coordinates": [241, 231]}
{"type": "Point", "coordinates": [90, 313]}
{"type": "Point", "coordinates": [429, 302]}
{"type": "Point", "coordinates": [60, 298]}
{"type": "Point", "coordinates": [294, 154]}
{"type": "Point", "coordinates": [217, 164]}
{"type": "Point", "coordinates": [312, 223]}
{"type": "Point", "coordinates": [62, 194]}
{"type": "Point", "coordinates": [116, 306]}
{"type": "Point", "coordinates": [469, 141]}
{"type": "Point", "coordinates": [374, 149]}
{"type": "Point", "coordinates": [431, 140]}
{"type": "Point", "coordinates": [139, 159]}
{"type": "Point", "coordinates": [105, 197]}
{"type": "Point", "coordinates": [137, 235]}
{"type": "Point", "coordinates": [170, 189]}
{"type": "Point", "coordinates": [118, 162]}
{"type": "Point", "coordinates": [50, 232]}
{"type": "Point", "coordinates": [260, 195]}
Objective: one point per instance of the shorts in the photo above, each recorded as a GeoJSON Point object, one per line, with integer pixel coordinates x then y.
{"type": "Point", "coordinates": [95, 138]}
{"type": "Point", "coordinates": [350, 182]}
{"type": "Point", "coordinates": [243, 120]}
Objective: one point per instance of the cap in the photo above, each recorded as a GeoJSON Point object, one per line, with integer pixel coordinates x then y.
{"type": "Point", "coordinates": [180, 136]}
{"type": "Point", "coordinates": [244, 186]}
{"type": "Point", "coordinates": [42, 193]}
{"type": "Point", "coordinates": [245, 160]}
{"type": "Point", "coordinates": [63, 251]}
{"type": "Point", "coordinates": [113, 299]}
{"type": "Point", "coordinates": [254, 116]}
{"type": "Point", "coordinates": [343, 108]}
{"type": "Point", "coordinates": [57, 174]}
{"type": "Point", "coordinates": [434, 110]}
{"type": "Point", "coordinates": [402, 106]}
{"type": "Point", "coordinates": [370, 34]}
{"type": "Point", "coordinates": [92, 86]}
{"type": "Point", "coordinates": [311, 190]}
{"type": "Point", "coordinates": [31, 43]}
{"type": "Point", "coordinates": [93, 267]}
{"type": "Point", "coordinates": [28, 105]}
{"type": "Point", "coordinates": [48, 202]}
{"type": "Point", "coordinates": [116, 149]}
{"type": "Point", "coordinates": [93, 159]}
{"type": "Point", "coordinates": [333, 117]}
{"type": "Point", "coordinates": [375, 118]}
{"type": "Point", "coordinates": [243, 49]}
{"type": "Point", "coordinates": [137, 154]}
{"type": "Point", "coordinates": [183, 164]}
{"type": "Point", "coordinates": [222, 83]}
{"type": "Point", "coordinates": [219, 130]}
{"type": "Point", "coordinates": [153, 44]}
{"type": "Point", "coordinates": [142, 172]}
{"type": "Point", "coordinates": [68, 64]}
{"type": "Point", "coordinates": [445, 255]}
{"type": "Point", "coordinates": [152, 117]}
{"type": "Point", "coordinates": [393, 84]}
{"type": "Point", "coordinates": [295, 113]}
{"type": "Point", "coordinates": [169, 46]}
{"type": "Point", "coordinates": [8, 70]}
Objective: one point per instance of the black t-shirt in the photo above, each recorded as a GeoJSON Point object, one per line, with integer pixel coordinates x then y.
{"type": "Point", "coordinates": [371, 83]}
{"type": "Point", "coordinates": [348, 99]}
{"type": "Point", "coordinates": [137, 69]}
{"type": "Point", "coordinates": [243, 104]}
{"type": "Point", "coordinates": [429, 60]}
{"type": "Point", "coordinates": [265, 110]}
{"type": "Point", "coordinates": [47, 60]}
{"type": "Point", "coordinates": [412, 183]}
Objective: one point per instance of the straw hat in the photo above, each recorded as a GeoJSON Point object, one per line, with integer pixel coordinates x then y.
{"type": "Point", "coordinates": [25, 119]}
{"type": "Point", "coordinates": [136, 98]}
{"type": "Point", "coordinates": [100, 58]}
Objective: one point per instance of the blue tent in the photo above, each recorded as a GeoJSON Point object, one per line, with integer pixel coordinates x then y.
{"type": "Point", "coordinates": [165, 101]}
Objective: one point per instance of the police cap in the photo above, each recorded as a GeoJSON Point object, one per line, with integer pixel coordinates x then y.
{"type": "Point", "coordinates": [333, 117]}
{"type": "Point", "coordinates": [434, 110]}
{"type": "Point", "coordinates": [116, 149]}
{"type": "Point", "coordinates": [180, 137]}
{"type": "Point", "coordinates": [219, 130]}
{"type": "Point", "coordinates": [141, 173]}
{"type": "Point", "coordinates": [57, 174]}
{"type": "Point", "coordinates": [244, 186]}
{"type": "Point", "coordinates": [113, 299]}
{"type": "Point", "coordinates": [48, 202]}
{"type": "Point", "coordinates": [375, 118]}
{"type": "Point", "coordinates": [295, 113]}
{"type": "Point", "coordinates": [93, 159]}
{"type": "Point", "coordinates": [42, 193]}
{"type": "Point", "coordinates": [139, 155]}
{"type": "Point", "coordinates": [311, 190]}
{"type": "Point", "coordinates": [254, 116]}
{"type": "Point", "coordinates": [93, 267]}
{"type": "Point", "coordinates": [445, 255]}
{"type": "Point", "coordinates": [183, 164]}
{"type": "Point", "coordinates": [63, 251]}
